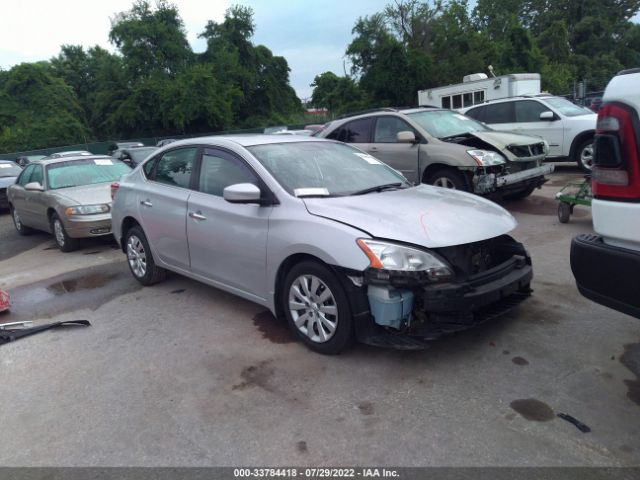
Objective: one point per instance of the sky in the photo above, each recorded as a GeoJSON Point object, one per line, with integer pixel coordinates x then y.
{"type": "Point", "coordinates": [311, 35]}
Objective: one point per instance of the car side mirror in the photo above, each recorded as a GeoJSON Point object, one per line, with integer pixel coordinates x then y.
{"type": "Point", "coordinates": [242, 193]}
{"type": "Point", "coordinates": [548, 115]}
{"type": "Point", "coordinates": [406, 137]}
{"type": "Point", "coordinates": [34, 187]}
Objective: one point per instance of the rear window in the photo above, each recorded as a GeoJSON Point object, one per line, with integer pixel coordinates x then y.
{"type": "Point", "coordinates": [76, 173]}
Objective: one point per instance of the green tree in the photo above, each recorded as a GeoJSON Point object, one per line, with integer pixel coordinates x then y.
{"type": "Point", "coordinates": [38, 110]}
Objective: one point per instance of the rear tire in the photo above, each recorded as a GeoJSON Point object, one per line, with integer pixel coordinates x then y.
{"type": "Point", "coordinates": [564, 212]}
{"type": "Point", "coordinates": [64, 242]}
{"type": "Point", "coordinates": [20, 227]}
{"type": "Point", "coordinates": [584, 155]}
{"type": "Point", "coordinates": [140, 258]}
{"type": "Point", "coordinates": [317, 308]}
{"type": "Point", "coordinates": [447, 178]}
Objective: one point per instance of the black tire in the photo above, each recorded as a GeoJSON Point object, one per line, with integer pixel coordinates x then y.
{"type": "Point", "coordinates": [317, 314]}
{"type": "Point", "coordinates": [584, 155]}
{"type": "Point", "coordinates": [20, 227]}
{"type": "Point", "coordinates": [140, 259]}
{"type": "Point", "coordinates": [564, 212]}
{"type": "Point", "coordinates": [64, 242]}
{"type": "Point", "coordinates": [519, 195]}
{"type": "Point", "coordinates": [447, 178]}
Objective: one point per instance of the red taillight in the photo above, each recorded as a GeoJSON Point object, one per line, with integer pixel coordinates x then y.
{"type": "Point", "coordinates": [616, 171]}
{"type": "Point", "coordinates": [114, 189]}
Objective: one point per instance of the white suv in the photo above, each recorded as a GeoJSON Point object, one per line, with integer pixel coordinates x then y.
{"type": "Point", "coordinates": [567, 128]}
{"type": "Point", "coordinates": [606, 266]}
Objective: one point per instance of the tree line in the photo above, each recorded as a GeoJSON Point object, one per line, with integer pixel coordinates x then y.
{"type": "Point", "coordinates": [154, 84]}
{"type": "Point", "coordinates": [413, 45]}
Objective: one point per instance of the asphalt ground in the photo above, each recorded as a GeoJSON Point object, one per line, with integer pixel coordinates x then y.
{"type": "Point", "coordinates": [183, 374]}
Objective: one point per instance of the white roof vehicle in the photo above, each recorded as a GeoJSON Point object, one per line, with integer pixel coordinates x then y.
{"type": "Point", "coordinates": [606, 266]}
{"type": "Point", "coordinates": [567, 127]}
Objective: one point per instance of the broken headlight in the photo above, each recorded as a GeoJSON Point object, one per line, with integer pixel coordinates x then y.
{"type": "Point", "coordinates": [393, 257]}
{"type": "Point", "coordinates": [486, 158]}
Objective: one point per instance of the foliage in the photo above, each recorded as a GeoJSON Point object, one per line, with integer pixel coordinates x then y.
{"type": "Point", "coordinates": [413, 45]}
{"type": "Point", "coordinates": [155, 84]}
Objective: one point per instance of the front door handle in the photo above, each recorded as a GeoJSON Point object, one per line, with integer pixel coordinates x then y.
{"type": "Point", "coordinates": [373, 149]}
{"type": "Point", "coordinates": [146, 203]}
{"type": "Point", "coordinates": [197, 216]}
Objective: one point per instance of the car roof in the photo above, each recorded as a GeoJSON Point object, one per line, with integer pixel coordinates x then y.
{"type": "Point", "coordinates": [245, 140]}
{"type": "Point", "coordinates": [50, 161]}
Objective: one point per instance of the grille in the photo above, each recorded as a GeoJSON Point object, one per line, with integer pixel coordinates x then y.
{"type": "Point", "coordinates": [523, 151]}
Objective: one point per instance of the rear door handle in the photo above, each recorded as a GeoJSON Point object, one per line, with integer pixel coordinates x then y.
{"type": "Point", "coordinates": [373, 149]}
{"type": "Point", "coordinates": [146, 203]}
{"type": "Point", "coordinates": [197, 216]}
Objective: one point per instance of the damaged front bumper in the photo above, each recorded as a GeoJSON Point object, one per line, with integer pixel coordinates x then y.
{"type": "Point", "coordinates": [404, 311]}
{"type": "Point", "coordinates": [484, 183]}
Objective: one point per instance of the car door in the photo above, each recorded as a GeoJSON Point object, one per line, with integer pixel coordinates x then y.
{"type": "Point", "coordinates": [35, 204]}
{"type": "Point", "coordinates": [227, 241]}
{"type": "Point", "coordinates": [162, 204]}
{"type": "Point", "coordinates": [18, 194]}
{"type": "Point", "coordinates": [401, 156]}
{"type": "Point", "coordinates": [528, 121]}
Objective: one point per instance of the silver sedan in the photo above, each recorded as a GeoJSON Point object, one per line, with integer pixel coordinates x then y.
{"type": "Point", "coordinates": [324, 235]}
{"type": "Point", "coordinates": [69, 197]}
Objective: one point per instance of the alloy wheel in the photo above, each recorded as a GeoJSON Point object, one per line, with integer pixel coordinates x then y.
{"type": "Point", "coordinates": [136, 256]}
{"type": "Point", "coordinates": [444, 182]}
{"type": "Point", "coordinates": [313, 308]}
{"type": "Point", "coordinates": [58, 232]}
{"type": "Point", "coordinates": [586, 156]}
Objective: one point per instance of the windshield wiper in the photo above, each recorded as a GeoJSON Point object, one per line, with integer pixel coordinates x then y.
{"type": "Point", "coordinates": [379, 188]}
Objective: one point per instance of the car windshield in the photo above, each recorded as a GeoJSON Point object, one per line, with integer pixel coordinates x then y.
{"type": "Point", "coordinates": [9, 170]}
{"type": "Point", "coordinates": [445, 123]}
{"type": "Point", "coordinates": [565, 107]}
{"type": "Point", "coordinates": [325, 168]}
{"type": "Point", "coordinates": [76, 173]}
{"type": "Point", "coordinates": [139, 154]}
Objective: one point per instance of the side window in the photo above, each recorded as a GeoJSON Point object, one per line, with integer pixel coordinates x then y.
{"type": "Point", "coordinates": [387, 128]}
{"type": "Point", "coordinates": [219, 170]}
{"type": "Point", "coordinates": [23, 179]}
{"type": "Point", "coordinates": [174, 167]}
{"type": "Point", "coordinates": [446, 102]}
{"type": "Point", "coordinates": [149, 167]}
{"type": "Point", "coordinates": [499, 113]}
{"type": "Point", "coordinates": [36, 175]}
{"type": "Point", "coordinates": [529, 111]}
{"type": "Point", "coordinates": [476, 113]}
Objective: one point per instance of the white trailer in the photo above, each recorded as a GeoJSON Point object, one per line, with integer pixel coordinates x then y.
{"type": "Point", "coordinates": [478, 88]}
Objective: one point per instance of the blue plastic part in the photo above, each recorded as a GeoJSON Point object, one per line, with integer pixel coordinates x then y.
{"type": "Point", "coordinates": [390, 307]}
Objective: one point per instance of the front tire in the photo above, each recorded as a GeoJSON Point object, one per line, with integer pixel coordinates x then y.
{"type": "Point", "coordinates": [584, 155]}
{"type": "Point", "coordinates": [447, 178]}
{"type": "Point", "coordinates": [140, 258]}
{"type": "Point", "coordinates": [317, 308]}
{"type": "Point", "coordinates": [17, 222]}
{"type": "Point", "coordinates": [64, 242]}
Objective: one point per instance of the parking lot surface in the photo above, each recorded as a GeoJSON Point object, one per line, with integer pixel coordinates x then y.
{"type": "Point", "coordinates": [183, 374]}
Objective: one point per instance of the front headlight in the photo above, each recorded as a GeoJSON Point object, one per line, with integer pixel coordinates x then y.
{"type": "Point", "coordinates": [389, 256]}
{"type": "Point", "coordinates": [486, 158]}
{"type": "Point", "coordinates": [87, 209]}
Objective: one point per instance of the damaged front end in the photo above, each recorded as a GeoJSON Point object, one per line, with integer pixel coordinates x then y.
{"type": "Point", "coordinates": [505, 167]}
{"type": "Point", "coordinates": [463, 286]}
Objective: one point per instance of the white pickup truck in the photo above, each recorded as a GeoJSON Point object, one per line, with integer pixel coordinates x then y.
{"type": "Point", "coordinates": [606, 265]}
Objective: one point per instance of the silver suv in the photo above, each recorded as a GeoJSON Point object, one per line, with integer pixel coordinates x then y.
{"type": "Point", "coordinates": [447, 149]}
{"type": "Point", "coordinates": [322, 234]}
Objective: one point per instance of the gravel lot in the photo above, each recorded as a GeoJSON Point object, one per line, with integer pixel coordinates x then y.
{"type": "Point", "coordinates": [182, 374]}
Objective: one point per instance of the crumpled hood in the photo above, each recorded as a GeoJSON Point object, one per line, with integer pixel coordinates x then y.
{"type": "Point", "coordinates": [87, 194]}
{"type": "Point", "coordinates": [7, 181]}
{"type": "Point", "coordinates": [501, 140]}
{"type": "Point", "coordinates": [424, 215]}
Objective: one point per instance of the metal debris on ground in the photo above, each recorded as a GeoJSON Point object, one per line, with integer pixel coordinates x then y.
{"type": "Point", "coordinates": [578, 424]}
{"type": "Point", "coordinates": [12, 334]}
{"type": "Point", "coordinates": [5, 301]}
